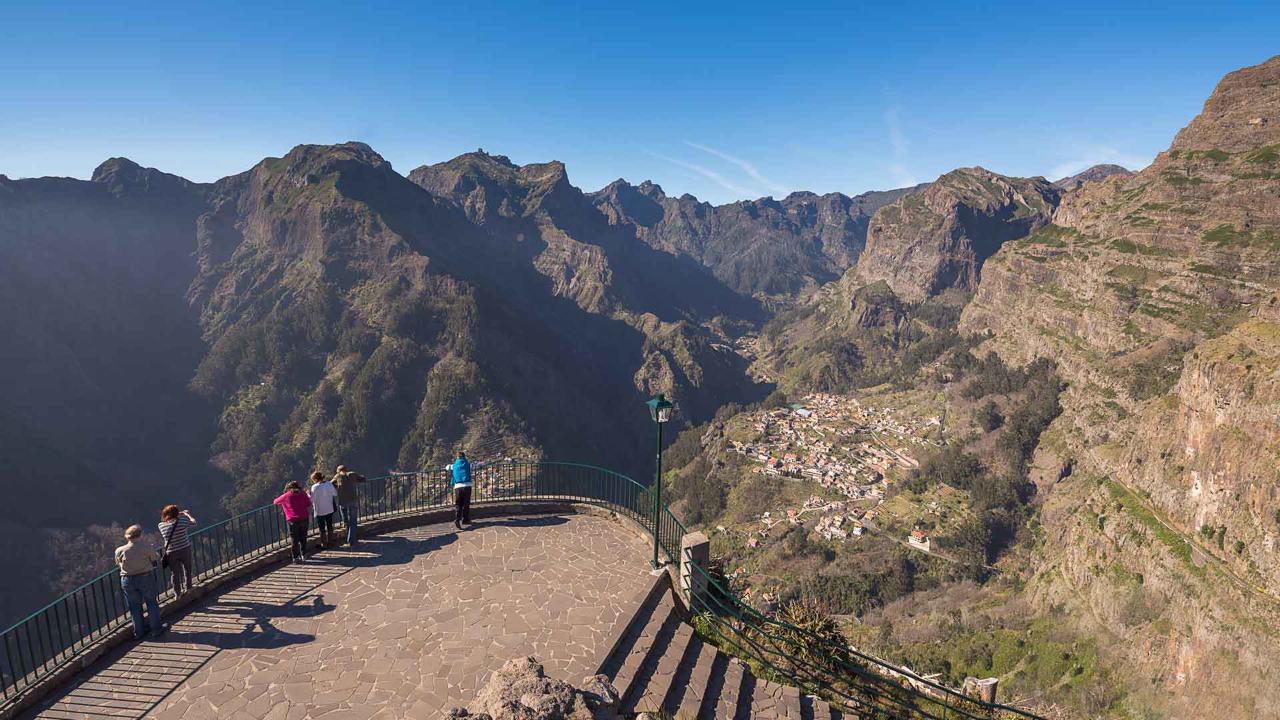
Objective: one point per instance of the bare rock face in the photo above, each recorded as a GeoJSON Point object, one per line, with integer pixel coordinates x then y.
{"type": "Point", "coordinates": [1240, 115]}
{"type": "Point", "coordinates": [926, 243]}
{"type": "Point", "coordinates": [1156, 294]}
{"type": "Point", "coordinates": [520, 690]}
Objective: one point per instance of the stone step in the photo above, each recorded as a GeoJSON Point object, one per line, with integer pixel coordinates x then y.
{"type": "Point", "coordinates": [726, 707]}
{"type": "Point", "coordinates": [766, 701]}
{"type": "Point", "coordinates": [698, 685]}
{"type": "Point", "coordinates": [661, 681]}
{"type": "Point", "coordinates": [662, 621]}
{"type": "Point", "coordinates": [790, 703]}
{"type": "Point", "coordinates": [821, 709]}
{"type": "Point", "coordinates": [658, 595]}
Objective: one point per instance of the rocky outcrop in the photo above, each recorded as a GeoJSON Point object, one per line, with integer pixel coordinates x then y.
{"type": "Point", "coordinates": [1092, 174]}
{"type": "Point", "coordinates": [764, 246]}
{"type": "Point", "coordinates": [926, 243]}
{"type": "Point", "coordinates": [521, 690]}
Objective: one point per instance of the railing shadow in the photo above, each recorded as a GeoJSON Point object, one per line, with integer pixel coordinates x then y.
{"type": "Point", "coordinates": [521, 522]}
{"type": "Point", "coordinates": [132, 681]}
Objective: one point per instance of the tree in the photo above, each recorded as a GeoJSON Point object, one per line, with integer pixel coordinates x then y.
{"type": "Point", "coordinates": [989, 417]}
{"type": "Point", "coordinates": [776, 399]}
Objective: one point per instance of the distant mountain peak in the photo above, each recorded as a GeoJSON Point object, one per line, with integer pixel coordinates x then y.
{"type": "Point", "coordinates": [342, 152]}
{"type": "Point", "coordinates": [121, 175]}
{"type": "Point", "coordinates": [1092, 174]}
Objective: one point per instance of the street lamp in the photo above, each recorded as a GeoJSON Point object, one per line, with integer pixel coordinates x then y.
{"type": "Point", "coordinates": [660, 411]}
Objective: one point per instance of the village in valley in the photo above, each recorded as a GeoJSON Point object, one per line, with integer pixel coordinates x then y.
{"type": "Point", "coordinates": [853, 449]}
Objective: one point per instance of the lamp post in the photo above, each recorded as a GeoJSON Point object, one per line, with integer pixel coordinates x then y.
{"type": "Point", "coordinates": [660, 412]}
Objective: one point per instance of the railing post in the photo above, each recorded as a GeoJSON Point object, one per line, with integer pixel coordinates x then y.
{"type": "Point", "coordinates": [695, 550]}
{"type": "Point", "coordinates": [983, 690]}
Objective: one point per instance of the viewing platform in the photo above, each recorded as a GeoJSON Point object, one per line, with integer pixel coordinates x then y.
{"type": "Point", "coordinates": [415, 618]}
{"type": "Point", "coordinates": [407, 624]}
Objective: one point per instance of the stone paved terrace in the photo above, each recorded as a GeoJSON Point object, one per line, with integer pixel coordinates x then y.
{"type": "Point", "coordinates": [406, 625]}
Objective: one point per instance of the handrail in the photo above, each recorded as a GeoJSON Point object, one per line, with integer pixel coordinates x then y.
{"type": "Point", "coordinates": [54, 636]}
{"type": "Point", "coordinates": [829, 664]}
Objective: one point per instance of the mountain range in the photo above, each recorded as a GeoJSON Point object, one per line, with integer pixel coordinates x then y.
{"type": "Point", "coordinates": [1105, 347]}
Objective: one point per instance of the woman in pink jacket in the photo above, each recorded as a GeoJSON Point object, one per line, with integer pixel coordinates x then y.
{"type": "Point", "coordinates": [297, 509]}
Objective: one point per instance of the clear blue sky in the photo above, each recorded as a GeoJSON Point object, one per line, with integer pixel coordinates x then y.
{"type": "Point", "coordinates": [739, 100]}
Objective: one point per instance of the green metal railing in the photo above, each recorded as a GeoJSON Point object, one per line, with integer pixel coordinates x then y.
{"type": "Point", "coordinates": [821, 662]}
{"type": "Point", "coordinates": [56, 635]}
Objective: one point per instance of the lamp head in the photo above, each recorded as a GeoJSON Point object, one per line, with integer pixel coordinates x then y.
{"type": "Point", "coordinates": [660, 409]}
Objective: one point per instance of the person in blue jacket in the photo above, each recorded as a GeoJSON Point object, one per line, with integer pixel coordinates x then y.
{"type": "Point", "coordinates": [461, 483]}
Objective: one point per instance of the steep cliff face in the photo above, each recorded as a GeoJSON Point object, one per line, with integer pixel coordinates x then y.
{"type": "Point", "coordinates": [1155, 293]}
{"type": "Point", "coordinates": [923, 244]}
{"type": "Point", "coordinates": [96, 419]}
{"type": "Point", "coordinates": [352, 314]}
{"type": "Point", "coordinates": [99, 342]}
{"type": "Point", "coordinates": [546, 224]}
{"type": "Point", "coordinates": [765, 246]}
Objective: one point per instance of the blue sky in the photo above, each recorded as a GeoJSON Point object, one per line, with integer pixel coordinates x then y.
{"type": "Point", "coordinates": [723, 101]}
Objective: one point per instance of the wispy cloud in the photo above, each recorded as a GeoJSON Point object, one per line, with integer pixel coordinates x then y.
{"type": "Point", "coordinates": [1087, 156]}
{"type": "Point", "coordinates": [740, 190]}
{"type": "Point", "coordinates": [901, 147]}
{"type": "Point", "coordinates": [746, 167]}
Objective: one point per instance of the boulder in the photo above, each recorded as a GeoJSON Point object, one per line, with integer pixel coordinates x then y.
{"type": "Point", "coordinates": [521, 690]}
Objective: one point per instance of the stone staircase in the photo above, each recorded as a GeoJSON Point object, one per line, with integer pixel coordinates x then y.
{"type": "Point", "coordinates": [659, 664]}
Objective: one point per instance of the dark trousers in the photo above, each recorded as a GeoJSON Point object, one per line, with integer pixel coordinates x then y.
{"type": "Point", "coordinates": [180, 569]}
{"type": "Point", "coordinates": [298, 537]}
{"type": "Point", "coordinates": [462, 504]}
{"type": "Point", "coordinates": [325, 523]}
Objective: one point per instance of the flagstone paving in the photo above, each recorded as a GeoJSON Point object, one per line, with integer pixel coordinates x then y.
{"type": "Point", "coordinates": [405, 625]}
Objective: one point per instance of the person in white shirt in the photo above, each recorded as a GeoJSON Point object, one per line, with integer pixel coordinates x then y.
{"type": "Point", "coordinates": [324, 500]}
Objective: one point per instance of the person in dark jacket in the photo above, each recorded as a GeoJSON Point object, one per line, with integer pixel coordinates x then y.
{"type": "Point", "coordinates": [348, 499]}
{"type": "Point", "coordinates": [461, 482]}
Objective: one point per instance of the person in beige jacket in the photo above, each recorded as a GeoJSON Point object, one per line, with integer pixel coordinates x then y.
{"type": "Point", "coordinates": [137, 562]}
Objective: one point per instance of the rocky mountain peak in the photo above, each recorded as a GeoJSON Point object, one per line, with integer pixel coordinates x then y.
{"type": "Point", "coordinates": [652, 189]}
{"type": "Point", "coordinates": [1095, 173]}
{"type": "Point", "coordinates": [121, 175]}
{"type": "Point", "coordinates": [490, 186]}
{"type": "Point", "coordinates": [925, 243]}
{"type": "Point", "coordinates": [1242, 113]}
{"type": "Point", "coordinates": [326, 158]}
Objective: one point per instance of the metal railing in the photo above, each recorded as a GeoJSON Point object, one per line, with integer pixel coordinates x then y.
{"type": "Point", "coordinates": [814, 657]}
{"type": "Point", "coordinates": [53, 637]}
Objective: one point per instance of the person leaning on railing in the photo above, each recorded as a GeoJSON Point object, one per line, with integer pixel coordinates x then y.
{"type": "Point", "coordinates": [324, 500]}
{"type": "Point", "coordinates": [137, 560]}
{"type": "Point", "coordinates": [297, 512]}
{"type": "Point", "coordinates": [461, 481]}
{"type": "Point", "coordinates": [173, 527]}
{"type": "Point", "coordinates": [348, 499]}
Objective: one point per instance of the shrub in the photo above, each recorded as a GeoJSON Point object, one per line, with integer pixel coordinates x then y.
{"type": "Point", "coordinates": [953, 466]}
{"type": "Point", "coordinates": [775, 399]}
{"type": "Point", "coordinates": [989, 417]}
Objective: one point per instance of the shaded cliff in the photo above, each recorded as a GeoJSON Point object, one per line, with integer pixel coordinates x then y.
{"type": "Point", "coordinates": [765, 246]}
